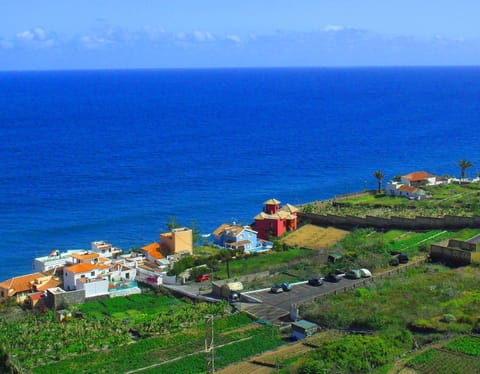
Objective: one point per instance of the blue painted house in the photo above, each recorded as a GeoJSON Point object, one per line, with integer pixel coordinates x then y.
{"type": "Point", "coordinates": [233, 236]}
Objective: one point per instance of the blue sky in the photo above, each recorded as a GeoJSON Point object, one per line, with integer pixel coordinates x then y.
{"type": "Point", "coordinates": [116, 34]}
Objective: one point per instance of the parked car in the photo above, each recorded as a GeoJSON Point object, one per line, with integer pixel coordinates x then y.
{"type": "Point", "coordinates": [331, 277]}
{"type": "Point", "coordinates": [315, 282]}
{"type": "Point", "coordinates": [202, 278]}
{"type": "Point", "coordinates": [403, 258]}
{"type": "Point", "coordinates": [233, 297]}
{"type": "Point", "coordinates": [394, 261]}
{"type": "Point", "coordinates": [286, 286]}
{"type": "Point", "coordinates": [276, 288]}
{"type": "Point", "coordinates": [365, 273]}
{"type": "Point", "coordinates": [353, 274]}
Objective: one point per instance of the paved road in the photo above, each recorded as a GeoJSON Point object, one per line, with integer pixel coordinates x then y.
{"type": "Point", "coordinates": [300, 293]}
{"type": "Point", "coordinates": [275, 307]}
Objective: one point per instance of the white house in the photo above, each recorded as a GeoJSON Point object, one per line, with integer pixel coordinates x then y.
{"type": "Point", "coordinates": [104, 249]}
{"type": "Point", "coordinates": [84, 270]}
{"type": "Point", "coordinates": [55, 260]}
{"type": "Point", "coordinates": [398, 189]}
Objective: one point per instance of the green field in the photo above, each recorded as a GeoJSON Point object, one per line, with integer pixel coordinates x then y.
{"type": "Point", "coordinates": [451, 199]}
{"type": "Point", "coordinates": [461, 355]}
{"type": "Point", "coordinates": [267, 261]}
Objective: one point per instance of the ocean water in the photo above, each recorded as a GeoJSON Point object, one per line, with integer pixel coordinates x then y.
{"type": "Point", "coordinates": [111, 155]}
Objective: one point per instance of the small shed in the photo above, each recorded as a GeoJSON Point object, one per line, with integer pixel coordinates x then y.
{"type": "Point", "coordinates": [334, 257]}
{"type": "Point", "coordinates": [223, 288]}
{"type": "Point", "coordinates": [303, 329]}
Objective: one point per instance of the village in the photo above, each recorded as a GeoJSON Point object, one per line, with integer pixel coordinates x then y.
{"type": "Point", "coordinates": [103, 270]}
{"type": "Point", "coordinates": [282, 295]}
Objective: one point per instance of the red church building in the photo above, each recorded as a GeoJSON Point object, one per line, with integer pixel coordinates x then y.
{"type": "Point", "coordinates": [274, 221]}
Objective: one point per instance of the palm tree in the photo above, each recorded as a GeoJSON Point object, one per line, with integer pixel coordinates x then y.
{"type": "Point", "coordinates": [379, 175]}
{"type": "Point", "coordinates": [464, 164]}
{"type": "Point", "coordinates": [226, 256]}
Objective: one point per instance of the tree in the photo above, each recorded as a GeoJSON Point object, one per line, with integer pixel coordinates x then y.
{"type": "Point", "coordinates": [172, 223]}
{"type": "Point", "coordinates": [464, 165]}
{"type": "Point", "coordinates": [195, 232]}
{"type": "Point", "coordinates": [379, 176]}
{"type": "Point", "coordinates": [225, 256]}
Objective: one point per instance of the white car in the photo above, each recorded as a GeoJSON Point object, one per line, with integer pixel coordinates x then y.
{"type": "Point", "coordinates": [365, 273]}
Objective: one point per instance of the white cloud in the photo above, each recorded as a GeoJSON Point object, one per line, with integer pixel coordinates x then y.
{"type": "Point", "coordinates": [35, 37]}
{"type": "Point", "coordinates": [202, 36]}
{"type": "Point", "coordinates": [234, 38]}
{"type": "Point", "coordinates": [334, 28]}
{"type": "Point", "coordinates": [94, 42]}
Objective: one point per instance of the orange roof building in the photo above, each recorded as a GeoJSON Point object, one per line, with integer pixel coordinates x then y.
{"type": "Point", "coordinates": [418, 178]}
{"type": "Point", "coordinates": [22, 285]}
{"type": "Point", "coordinates": [152, 251]}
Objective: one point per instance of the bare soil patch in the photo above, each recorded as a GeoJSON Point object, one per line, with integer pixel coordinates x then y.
{"type": "Point", "coordinates": [314, 237]}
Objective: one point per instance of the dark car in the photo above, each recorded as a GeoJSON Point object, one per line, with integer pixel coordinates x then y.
{"type": "Point", "coordinates": [394, 261]}
{"type": "Point", "coordinates": [332, 278]}
{"type": "Point", "coordinates": [233, 297]}
{"type": "Point", "coordinates": [315, 282]}
{"type": "Point", "coordinates": [353, 274]}
{"type": "Point", "coordinates": [402, 258]}
{"type": "Point", "coordinates": [276, 289]}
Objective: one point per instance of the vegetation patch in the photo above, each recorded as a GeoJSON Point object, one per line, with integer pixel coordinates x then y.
{"type": "Point", "coordinates": [466, 344]}
{"type": "Point", "coordinates": [422, 293]}
{"type": "Point", "coordinates": [435, 361]}
{"type": "Point", "coordinates": [451, 199]}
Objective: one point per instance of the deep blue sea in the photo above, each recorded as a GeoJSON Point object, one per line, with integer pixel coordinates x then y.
{"type": "Point", "coordinates": [111, 155]}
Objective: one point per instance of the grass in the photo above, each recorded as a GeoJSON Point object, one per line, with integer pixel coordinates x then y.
{"type": "Point", "coordinates": [451, 199]}
{"type": "Point", "coordinates": [390, 308]}
{"type": "Point", "coordinates": [424, 293]}
{"type": "Point", "coordinates": [265, 261]}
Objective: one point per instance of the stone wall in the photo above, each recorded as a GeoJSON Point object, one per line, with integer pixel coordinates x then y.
{"type": "Point", "coordinates": [451, 255]}
{"type": "Point", "coordinates": [63, 299]}
{"type": "Point", "coordinates": [417, 223]}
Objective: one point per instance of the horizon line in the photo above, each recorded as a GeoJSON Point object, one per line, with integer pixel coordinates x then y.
{"type": "Point", "coordinates": [296, 67]}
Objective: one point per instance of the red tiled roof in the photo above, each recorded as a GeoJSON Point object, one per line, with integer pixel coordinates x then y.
{"type": "Point", "coordinates": [417, 176]}
{"type": "Point", "coordinates": [408, 189]}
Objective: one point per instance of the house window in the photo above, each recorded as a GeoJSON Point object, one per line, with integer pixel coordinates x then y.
{"type": "Point", "coordinates": [127, 275]}
{"type": "Point", "coordinates": [92, 273]}
{"type": "Point", "coordinates": [82, 276]}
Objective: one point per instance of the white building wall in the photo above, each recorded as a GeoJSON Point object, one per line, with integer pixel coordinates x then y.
{"type": "Point", "coordinates": [95, 287]}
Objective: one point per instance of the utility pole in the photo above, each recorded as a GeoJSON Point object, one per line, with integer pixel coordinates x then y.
{"type": "Point", "coordinates": [209, 347]}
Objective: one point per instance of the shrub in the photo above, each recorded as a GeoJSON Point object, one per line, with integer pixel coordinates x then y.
{"type": "Point", "coordinates": [447, 318]}
{"type": "Point", "coordinates": [312, 366]}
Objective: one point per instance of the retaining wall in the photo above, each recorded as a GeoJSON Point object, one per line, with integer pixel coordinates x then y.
{"type": "Point", "coordinates": [417, 223]}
